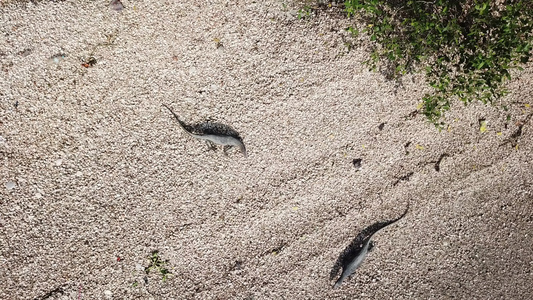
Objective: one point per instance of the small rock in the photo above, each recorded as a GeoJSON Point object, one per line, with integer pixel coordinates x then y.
{"type": "Point", "coordinates": [25, 52]}
{"type": "Point", "coordinates": [116, 5]}
{"type": "Point", "coordinates": [139, 267]}
{"type": "Point", "coordinates": [357, 163]}
{"type": "Point", "coordinates": [108, 293]}
{"type": "Point", "coordinates": [10, 185]}
{"type": "Point", "coordinates": [59, 162]}
{"type": "Point", "coordinates": [55, 59]}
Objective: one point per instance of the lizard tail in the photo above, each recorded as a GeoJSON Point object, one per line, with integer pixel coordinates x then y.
{"type": "Point", "coordinates": [182, 125]}
{"type": "Point", "coordinates": [243, 149]}
{"type": "Point", "coordinates": [339, 282]}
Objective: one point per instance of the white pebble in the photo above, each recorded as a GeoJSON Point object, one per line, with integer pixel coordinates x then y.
{"type": "Point", "coordinates": [10, 185]}
{"type": "Point", "coordinates": [139, 267]}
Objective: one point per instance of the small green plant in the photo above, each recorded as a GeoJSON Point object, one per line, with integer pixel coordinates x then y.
{"type": "Point", "coordinates": [467, 48]}
{"type": "Point", "coordinates": [305, 12]}
{"type": "Point", "coordinates": [353, 31]}
{"type": "Point", "coordinates": [158, 265]}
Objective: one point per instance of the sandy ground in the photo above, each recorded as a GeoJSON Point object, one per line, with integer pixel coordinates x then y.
{"type": "Point", "coordinates": [96, 175]}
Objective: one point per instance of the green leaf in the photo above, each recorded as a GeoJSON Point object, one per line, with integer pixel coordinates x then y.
{"type": "Point", "coordinates": [483, 126]}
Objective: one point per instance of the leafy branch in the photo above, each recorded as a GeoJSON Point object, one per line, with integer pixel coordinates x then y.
{"type": "Point", "coordinates": [467, 48]}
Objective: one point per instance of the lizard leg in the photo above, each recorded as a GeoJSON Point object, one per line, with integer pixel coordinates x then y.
{"type": "Point", "coordinates": [210, 145]}
{"type": "Point", "coordinates": [226, 147]}
{"type": "Point", "coordinates": [371, 246]}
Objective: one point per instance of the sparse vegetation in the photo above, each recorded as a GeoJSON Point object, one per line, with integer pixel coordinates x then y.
{"type": "Point", "coordinates": [158, 265]}
{"type": "Point", "coordinates": [467, 48]}
{"type": "Point", "coordinates": [305, 12]}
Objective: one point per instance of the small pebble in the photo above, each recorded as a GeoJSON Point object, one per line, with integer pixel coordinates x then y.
{"type": "Point", "coordinates": [139, 267]}
{"type": "Point", "coordinates": [56, 58]}
{"type": "Point", "coordinates": [357, 163]}
{"type": "Point", "coordinates": [116, 5]}
{"type": "Point", "coordinates": [10, 185]}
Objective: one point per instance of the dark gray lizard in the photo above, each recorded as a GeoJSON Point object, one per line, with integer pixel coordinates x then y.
{"type": "Point", "coordinates": [224, 140]}
{"type": "Point", "coordinates": [354, 255]}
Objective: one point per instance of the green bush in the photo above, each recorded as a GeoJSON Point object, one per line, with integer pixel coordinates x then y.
{"type": "Point", "coordinates": [467, 48]}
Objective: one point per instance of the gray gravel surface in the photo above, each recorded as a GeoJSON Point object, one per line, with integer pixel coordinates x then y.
{"type": "Point", "coordinates": [96, 175]}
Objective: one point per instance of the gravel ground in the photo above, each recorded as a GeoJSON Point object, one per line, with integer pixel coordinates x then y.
{"type": "Point", "coordinates": [96, 174]}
